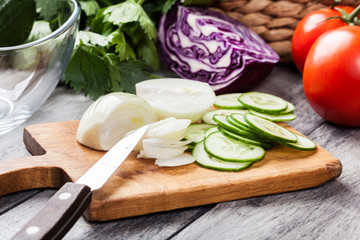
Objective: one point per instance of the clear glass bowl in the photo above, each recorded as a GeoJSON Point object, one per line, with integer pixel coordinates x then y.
{"type": "Point", "coordinates": [30, 72]}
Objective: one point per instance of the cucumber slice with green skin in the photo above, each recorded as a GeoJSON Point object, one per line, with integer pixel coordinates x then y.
{"type": "Point", "coordinates": [211, 130]}
{"type": "Point", "coordinates": [208, 117]}
{"type": "Point", "coordinates": [223, 123]}
{"type": "Point", "coordinates": [196, 132]}
{"type": "Point", "coordinates": [229, 101]}
{"type": "Point", "coordinates": [244, 139]}
{"type": "Point", "coordinates": [235, 124]}
{"type": "Point", "coordinates": [245, 132]}
{"type": "Point", "coordinates": [275, 118]}
{"type": "Point", "coordinates": [239, 118]}
{"type": "Point", "coordinates": [242, 127]}
{"type": "Point", "coordinates": [263, 102]}
{"type": "Point", "coordinates": [290, 109]}
{"type": "Point", "coordinates": [226, 149]}
{"type": "Point", "coordinates": [303, 144]}
{"type": "Point", "coordinates": [270, 129]}
{"type": "Point", "coordinates": [205, 160]}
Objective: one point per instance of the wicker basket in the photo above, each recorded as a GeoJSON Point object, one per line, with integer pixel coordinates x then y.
{"type": "Point", "coordinates": [274, 20]}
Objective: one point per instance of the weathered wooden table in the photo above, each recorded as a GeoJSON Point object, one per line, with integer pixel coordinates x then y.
{"type": "Point", "coordinates": [330, 211]}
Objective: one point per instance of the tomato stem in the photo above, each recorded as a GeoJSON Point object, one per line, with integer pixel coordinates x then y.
{"type": "Point", "coordinates": [352, 17]}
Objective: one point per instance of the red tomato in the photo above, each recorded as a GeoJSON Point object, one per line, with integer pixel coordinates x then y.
{"type": "Point", "coordinates": [310, 28]}
{"type": "Point", "coordinates": [331, 77]}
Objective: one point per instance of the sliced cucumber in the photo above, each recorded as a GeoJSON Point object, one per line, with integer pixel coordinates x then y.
{"type": "Point", "coordinates": [269, 129]}
{"type": "Point", "coordinates": [239, 118]}
{"type": "Point", "coordinates": [242, 127]}
{"type": "Point", "coordinates": [221, 147]}
{"type": "Point", "coordinates": [235, 124]}
{"type": "Point", "coordinates": [243, 139]}
{"type": "Point", "coordinates": [229, 101]}
{"type": "Point", "coordinates": [208, 117]}
{"type": "Point", "coordinates": [207, 161]}
{"type": "Point", "coordinates": [290, 108]}
{"type": "Point", "coordinates": [303, 143]}
{"type": "Point", "coordinates": [222, 122]}
{"type": "Point", "coordinates": [211, 130]}
{"type": "Point", "coordinates": [196, 132]}
{"type": "Point", "coordinates": [275, 118]}
{"type": "Point", "coordinates": [263, 102]}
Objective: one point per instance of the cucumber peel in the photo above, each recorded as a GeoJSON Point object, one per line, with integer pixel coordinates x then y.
{"type": "Point", "coordinates": [270, 130]}
{"type": "Point", "coordinates": [263, 102]}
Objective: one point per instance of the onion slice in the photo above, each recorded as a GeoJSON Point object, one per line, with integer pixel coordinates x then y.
{"type": "Point", "coordinates": [169, 129]}
{"type": "Point", "coordinates": [176, 97]}
{"type": "Point", "coordinates": [162, 152]}
{"type": "Point", "coordinates": [174, 162]}
{"type": "Point", "coordinates": [163, 142]}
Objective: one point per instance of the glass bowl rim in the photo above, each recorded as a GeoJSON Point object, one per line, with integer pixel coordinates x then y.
{"type": "Point", "coordinates": [63, 28]}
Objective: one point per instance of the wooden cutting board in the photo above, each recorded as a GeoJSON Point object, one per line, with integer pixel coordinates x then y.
{"type": "Point", "coordinates": [140, 187]}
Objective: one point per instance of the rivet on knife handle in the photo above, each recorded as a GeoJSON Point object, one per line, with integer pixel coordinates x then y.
{"type": "Point", "coordinates": [59, 214]}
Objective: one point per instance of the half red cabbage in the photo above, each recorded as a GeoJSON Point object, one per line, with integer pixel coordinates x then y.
{"type": "Point", "coordinates": [210, 47]}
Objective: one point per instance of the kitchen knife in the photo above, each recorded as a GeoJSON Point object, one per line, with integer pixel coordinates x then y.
{"type": "Point", "coordinates": [63, 209]}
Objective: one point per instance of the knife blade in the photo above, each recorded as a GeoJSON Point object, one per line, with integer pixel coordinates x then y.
{"type": "Point", "coordinates": [66, 206]}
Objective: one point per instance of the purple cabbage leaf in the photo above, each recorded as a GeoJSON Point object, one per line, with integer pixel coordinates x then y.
{"type": "Point", "coordinates": [210, 47]}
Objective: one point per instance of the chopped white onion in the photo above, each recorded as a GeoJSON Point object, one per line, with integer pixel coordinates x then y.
{"type": "Point", "coordinates": [169, 129]}
{"type": "Point", "coordinates": [177, 161]}
{"type": "Point", "coordinates": [167, 152]}
{"type": "Point", "coordinates": [110, 117]}
{"type": "Point", "coordinates": [160, 152]}
{"type": "Point", "coordinates": [176, 97]}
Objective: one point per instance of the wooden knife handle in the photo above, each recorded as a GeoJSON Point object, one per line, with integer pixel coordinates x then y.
{"type": "Point", "coordinates": [59, 214]}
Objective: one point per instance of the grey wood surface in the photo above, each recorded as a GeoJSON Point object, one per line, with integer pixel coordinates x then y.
{"type": "Point", "coordinates": [330, 211]}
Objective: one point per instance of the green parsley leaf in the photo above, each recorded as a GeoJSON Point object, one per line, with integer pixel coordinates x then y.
{"type": "Point", "coordinates": [167, 5]}
{"type": "Point", "coordinates": [39, 30]}
{"type": "Point", "coordinates": [115, 75]}
{"type": "Point", "coordinates": [93, 39]}
{"type": "Point", "coordinates": [87, 71]}
{"type": "Point", "coordinates": [132, 72]}
{"type": "Point", "coordinates": [127, 12]}
{"type": "Point", "coordinates": [90, 7]}
{"type": "Point", "coordinates": [147, 51]}
{"type": "Point", "coordinates": [122, 47]}
{"type": "Point", "coordinates": [49, 8]}
{"type": "Point", "coordinates": [99, 26]}
{"type": "Point", "coordinates": [16, 20]}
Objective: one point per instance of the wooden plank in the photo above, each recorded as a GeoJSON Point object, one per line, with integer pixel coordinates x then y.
{"type": "Point", "coordinates": [140, 187]}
